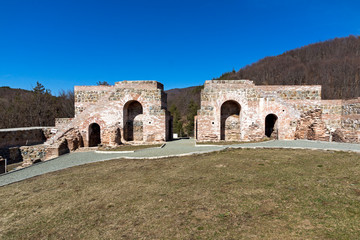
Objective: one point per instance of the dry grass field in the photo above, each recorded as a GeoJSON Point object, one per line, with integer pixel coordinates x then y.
{"type": "Point", "coordinates": [232, 194]}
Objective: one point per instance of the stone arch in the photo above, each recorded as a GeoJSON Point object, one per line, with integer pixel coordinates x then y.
{"type": "Point", "coordinates": [94, 133]}
{"type": "Point", "coordinates": [133, 124]}
{"type": "Point", "coordinates": [230, 121]}
{"type": "Point", "coordinates": [271, 126]}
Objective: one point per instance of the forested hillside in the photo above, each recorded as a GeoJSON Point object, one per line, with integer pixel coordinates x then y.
{"type": "Point", "coordinates": [22, 108]}
{"type": "Point", "coordinates": [334, 64]}
{"type": "Point", "coordinates": [181, 97]}
{"type": "Point", "coordinates": [183, 104]}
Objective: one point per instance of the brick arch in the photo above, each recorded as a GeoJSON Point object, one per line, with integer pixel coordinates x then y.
{"type": "Point", "coordinates": [132, 122]}
{"type": "Point", "coordinates": [230, 121]}
{"type": "Point", "coordinates": [85, 127]}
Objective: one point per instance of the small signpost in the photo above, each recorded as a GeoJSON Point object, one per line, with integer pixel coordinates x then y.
{"type": "Point", "coordinates": [53, 130]}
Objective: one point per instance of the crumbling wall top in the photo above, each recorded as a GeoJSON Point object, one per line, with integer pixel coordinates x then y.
{"type": "Point", "coordinates": [228, 83]}
{"type": "Point", "coordinates": [290, 87]}
{"type": "Point", "coordinates": [143, 84]}
{"type": "Point", "coordinates": [150, 85]}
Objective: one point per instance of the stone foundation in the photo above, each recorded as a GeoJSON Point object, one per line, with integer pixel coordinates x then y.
{"type": "Point", "coordinates": [33, 154]}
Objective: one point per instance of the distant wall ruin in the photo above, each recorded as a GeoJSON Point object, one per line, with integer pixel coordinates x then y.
{"type": "Point", "coordinates": [298, 112]}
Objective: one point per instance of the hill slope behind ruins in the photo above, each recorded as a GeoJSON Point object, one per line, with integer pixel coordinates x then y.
{"type": "Point", "coordinates": [334, 64]}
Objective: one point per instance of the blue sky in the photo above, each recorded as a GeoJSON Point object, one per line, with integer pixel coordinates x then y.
{"type": "Point", "coordinates": [179, 43]}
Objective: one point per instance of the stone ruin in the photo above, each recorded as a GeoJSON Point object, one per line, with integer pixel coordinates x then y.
{"type": "Point", "coordinates": [135, 112]}
{"type": "Point", "coordinates": [129, 112]}
{"type": "Point", "coordinates": [238, 110]}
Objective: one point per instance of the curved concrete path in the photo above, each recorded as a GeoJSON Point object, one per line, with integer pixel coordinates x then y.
{"type": "Point", "coordinates": [175, 148]}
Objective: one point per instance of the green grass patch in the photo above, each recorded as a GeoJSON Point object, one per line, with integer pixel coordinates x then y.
{"type": "Point", "coordinates": [231, 194]}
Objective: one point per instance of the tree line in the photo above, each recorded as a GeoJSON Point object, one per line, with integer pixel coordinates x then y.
{"type": "Point", "coordinates": [334, 64]}
{"type": "Point", "coordinates": [38, 107]}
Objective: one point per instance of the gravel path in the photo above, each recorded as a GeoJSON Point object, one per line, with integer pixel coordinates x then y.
{"type": "Point", "coordinates": [174, 148]}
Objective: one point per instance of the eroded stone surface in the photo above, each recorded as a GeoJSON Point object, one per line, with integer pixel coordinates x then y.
{"type": "Point", "coordinates": [129, 111]}
{"type": "Point", "coordinates": [299, 112]}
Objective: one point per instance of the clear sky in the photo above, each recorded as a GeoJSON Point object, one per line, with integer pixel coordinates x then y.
{"type": "Point", "coordinates": [62, 43]}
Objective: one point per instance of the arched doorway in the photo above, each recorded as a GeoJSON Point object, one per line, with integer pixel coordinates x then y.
{"type": "Point", "coordinates": [271, 129]}
{"type": "Point", "coordinates": [230, 121]}
{"type": "Point", "coordinates": [94, 135]}
{"type": "Point", "coordinates": [133, 128]}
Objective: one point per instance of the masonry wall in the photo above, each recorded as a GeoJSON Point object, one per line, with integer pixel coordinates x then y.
{"type": "Point", "coordinates": [18, 137]}
{"type": "Point", "coordinates": [290, 104]}
{"type": "Point", "coordinates": [105, 105]}
{"type": "Point", "coordinates": [293, 92]}
{"type": "Point", "coordinates": [255, 105]}
{"type": "Point", "coordinates": [350, 118]}
{"type": "Point", "coordinates": [12, 139]}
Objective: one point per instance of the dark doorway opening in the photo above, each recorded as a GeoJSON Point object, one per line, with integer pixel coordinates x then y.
{"type": "Point", "coordinates": [271, 129]}
{"type": "Point", "coordinates": [94, 135]}
{"type": "Point", "coordinates": [170, 129]}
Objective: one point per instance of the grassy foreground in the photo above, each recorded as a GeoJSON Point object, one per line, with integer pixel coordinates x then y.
{"type": "Point", "coordinates": [233, 194]}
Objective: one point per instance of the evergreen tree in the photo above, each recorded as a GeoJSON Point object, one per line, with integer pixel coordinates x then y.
{"type": "Point", "coordinates": [103, 83]}
{"type": "Point", "coordinates": [192, 112]}
{"type": "Point", "coordinates": [177, 123]}
{"type": "Point", "coordinates": [39, 88]}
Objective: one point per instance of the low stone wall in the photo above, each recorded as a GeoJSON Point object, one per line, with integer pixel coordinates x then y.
{"type": "Point", "coordinates": [13, 138]}
{"type": "Point", "coordinates": [32, 154]}
{"type": "Point", "coordinates": [42, 152]}
{"type": "Point", "coordinates": [22, 136]}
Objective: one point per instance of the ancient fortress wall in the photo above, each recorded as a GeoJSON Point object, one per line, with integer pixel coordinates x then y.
{"type": "Point", "coordinates": [136, 108]}
{"type": "Point", "coordinates": [255, 105]}
{"type": "Point", "coordinates": [288, 112]}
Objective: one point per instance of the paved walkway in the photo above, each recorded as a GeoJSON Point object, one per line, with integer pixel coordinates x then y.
{"type": "Point", "coordinates": [174, 148]}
